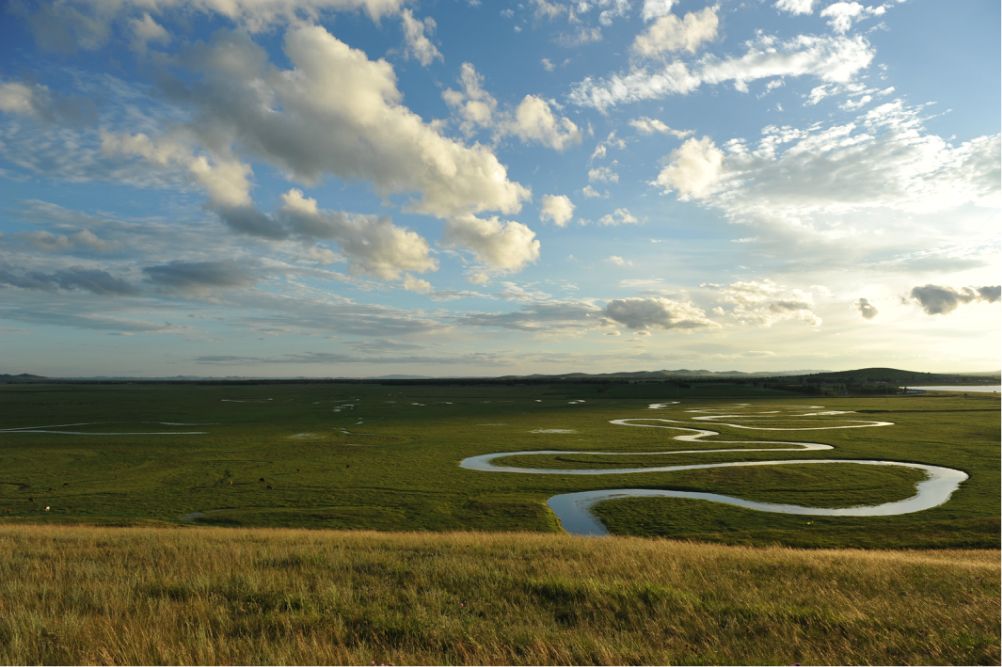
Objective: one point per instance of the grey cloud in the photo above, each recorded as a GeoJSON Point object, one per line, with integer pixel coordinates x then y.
{"type": "Point", "coordinates": [332, 315]}
{"type": "Point", "coordinates": [226, 359]}
{"type": "Point", "coordinates": [646, 313]}
{"type": "Point", "coordinates": [342, 358]}
{"type": "Point", "coordinates": [53, 317]}
{"type": "Point", "coordinates": [70, 147]}
{"type": "Point", "coordinates": [369, 346]}
{"type": "Point", "coordinates": [316, 226]}
{"type": "Point", "coordinates": [26, 280]}
{"type": "Point", "coordinates": [640, 314]}
{"type": "Point", "coordinates": [939, 300]}
{"type": "Point", "coordinates": [539, 317]}
{"type": "Point", "coordinates": [39, 211]}
{"type": "Point", "coordinates": [184, 276]}
{"type": "Point", "coordinates": [146, 240]}
{"type": "Point", "coordinates": [866, 309]}
{"type": "Point", "coordinates": [65, 25]}
{"type": "Point", "coordinates": [949, 259]}
{"type": "Point", "coordinates": [371, 244]}
{"type": "Point", "coordinates": [249, 220]}
{"type": "Point", "coordinates": [787, 306]}
{"type": "Point", "coordinates": [37, 101]}
{"type": "Point", "coordinates": [990, 293]}
{"type": "Point", "coordinates": [75, 278]}
{"type": "Point", "coordinates": [92, 280]}
{"type": "Point", "coordinates": [254, 312]}
{"type": "Point", "coordinates": [82, 241]}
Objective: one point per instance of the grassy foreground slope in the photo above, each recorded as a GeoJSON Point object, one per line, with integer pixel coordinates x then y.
{"type": "Point", "coordinates": [84, 595]}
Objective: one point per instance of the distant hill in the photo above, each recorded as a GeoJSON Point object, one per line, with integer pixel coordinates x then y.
{"type": "Point", "coordinates": [902, 378]}
{"type": "Point", "coordinates": [7, 378]}
{"type": "Point", "coordinates": [681, 373]}
{"type": "Point", "coordinates": [400, 377]}
{"type": "Point", "coordinates": [863, 380]}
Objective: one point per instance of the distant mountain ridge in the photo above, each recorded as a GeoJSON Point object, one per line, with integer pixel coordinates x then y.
{"type": "Point", "coordinates": [900, 377]}
{"type": "Point", "coordinates": [7, 378]}
{"type": "Point", "coordinates": [662, 375]}
{"type": "Point", "coordinates": [861, 376]}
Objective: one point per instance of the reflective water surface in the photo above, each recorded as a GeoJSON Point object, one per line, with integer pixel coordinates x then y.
{"type": "Point", "coordinates": [973, 388]}
{"type": "Point", "coordinates": [574, 509]}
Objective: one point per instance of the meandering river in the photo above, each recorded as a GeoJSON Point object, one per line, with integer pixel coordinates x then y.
{"type": "Point", "coordinates": [970, 388]}
{"type": "Point", "coordinates": [574, 509]}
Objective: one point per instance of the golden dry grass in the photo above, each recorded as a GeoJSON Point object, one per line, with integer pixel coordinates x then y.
{"type": "Point", "coordinates": [211, 595]}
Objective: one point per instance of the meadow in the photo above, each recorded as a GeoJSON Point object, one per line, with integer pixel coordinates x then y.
{"type": "Point", "coordinates": [332, 523]}
{"type": "Point", "coordinates": [385, 457]}
{"type": "Point", "coordinates": [87, 595]}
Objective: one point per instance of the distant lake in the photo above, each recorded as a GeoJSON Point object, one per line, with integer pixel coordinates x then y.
{"type": "Point", "coordinates": [985, 388]}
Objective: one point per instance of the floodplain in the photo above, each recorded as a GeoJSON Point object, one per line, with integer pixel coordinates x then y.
{"type": "Point", "coordinates": [290, 523]}
{"type": "Point", "coordinates": [387, 457]}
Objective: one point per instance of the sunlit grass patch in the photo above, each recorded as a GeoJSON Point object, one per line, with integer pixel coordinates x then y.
{"type": "Point", "coordinates": [235, 596]}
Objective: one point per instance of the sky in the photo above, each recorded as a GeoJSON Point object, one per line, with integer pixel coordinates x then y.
{"type": "Point", "coordinates": [451, 187]}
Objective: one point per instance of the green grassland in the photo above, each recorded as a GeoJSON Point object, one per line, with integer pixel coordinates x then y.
{"type": "Point", "coordinates": [295, 456]}
{"type": "Point", "coordinates": [149, 585]}
{"type": "Point", "coordinates": [93, 595]}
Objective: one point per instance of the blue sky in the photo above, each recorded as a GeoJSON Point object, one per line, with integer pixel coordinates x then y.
{"type": "Point", "coordinates": [369, 187]}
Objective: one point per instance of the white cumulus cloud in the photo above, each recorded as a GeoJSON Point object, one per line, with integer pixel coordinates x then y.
{"type": "Point", "coordinates": [621, 216]}
{"type": "Point", "coordinates": [226, 179]}
{"type": "Point", "coordinates": [829, 58]}
{"type": "Point", "coordinates": [417, 285]}
{"type": "Point", "coordinates": [825, 177]}
{"type": "Point", "coordinates": [654, 9]}
{"type": "Point", "coordinates": [533, 120]}
{"type": "Point", "coordinates": [557, 208]}
{"type": "Point", "coordinates": [670, 33]}
{"type": "Point", "coordinates": [796, 6]}
{"type": "Point", "coordinates": [693, 169]}
{"type": "Point", "coordinates": [334, 111]}
{"type": "Point", "coordinates": [473, 105]}
{"type": "Point", "coordinates": [842, 15]}
{"type": "Point", "coordinates": [337, 112]}
{"type": "Point", "coordinates": [20, 98]}
{"type": "Point", "coordinates": [646, 125]}
{"type": "Point", "coordinates": [602, 175]}
{"type": "Point", "coordinates": [499, 245]}
{"type": "Point", "coordinates": [145, 30]}
{"type": "Point", "coordinates": [765, 303]}
{"type": "Point", "coordinates": [416, 32]}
